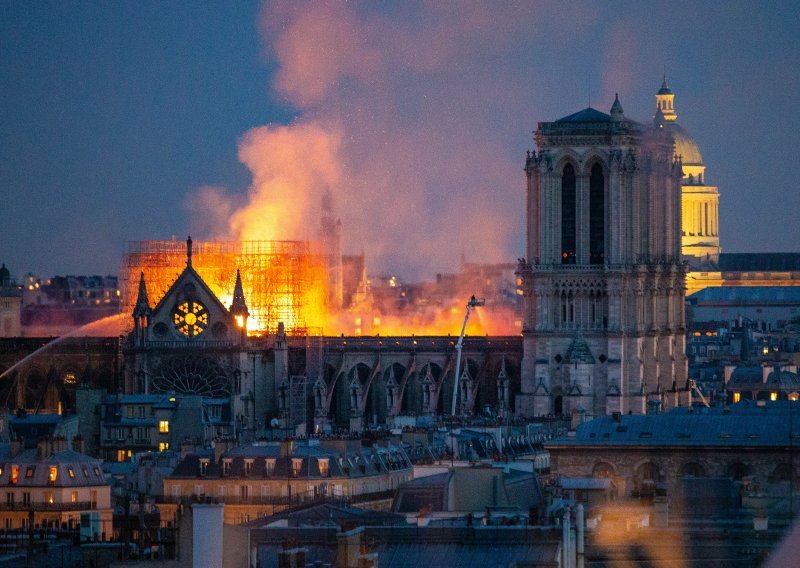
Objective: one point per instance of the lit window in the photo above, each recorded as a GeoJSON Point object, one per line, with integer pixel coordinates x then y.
{"type": "Point", "coordinates": [324, 467]}
{"type": "Point", "coordinates": [74, 497]}
{"type": "Point", "coordinates": [163, 446]}
{"type": "Point", "coordinates": [14, 474]}
{"type": "Point", "coordinates": [120, 455]}
{"type": "Point", "coordinates": [737, 396]}
{"type": "Point", "coordinates": [297, 464]}
{"type": "Point", "coordinates": [203, 467]}
{"type": "Point", "coordinates": [163, 426]}
{"type": "Point", "coordinates": [30, 471]}
{"type": "Point", "coordinates": [773, 396]}
{"type": "Point", "coordinates": [71, 473]}
{"type": "Point", "coordinates": [48, 497]}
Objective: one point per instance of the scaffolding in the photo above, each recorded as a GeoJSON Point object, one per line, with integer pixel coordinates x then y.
{"type": "Point", "coordinates": [283, 281]}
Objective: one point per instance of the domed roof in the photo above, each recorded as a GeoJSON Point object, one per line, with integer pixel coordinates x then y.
{"type": "Point", "coordinates": [685, 146]}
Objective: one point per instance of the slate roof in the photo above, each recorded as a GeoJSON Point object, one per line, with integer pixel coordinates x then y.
{"type": "Point", "coordinates": [367, 462]}
{"type": "Point", "coordinates": [35, 472]}
{"type": "Point", "coordinates": [758, 295]}
{"type": "Point", "coordinates": [773, 424]}
{"type": "Point", "coordinates": [586, 115]}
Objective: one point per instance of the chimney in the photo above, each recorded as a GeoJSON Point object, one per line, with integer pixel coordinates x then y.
{"type": "Point", "coordinates": [187, 447]}
{"type": "Point", "coordinates": [729, 369]}
{"type": "Point", "coordinates": [222, 445]}
{"type": "Point", "coordinates": [77, 444]}
{"type": "Point", "coordinates": [287, 448]}
{"type": "Point", "coordinates": [765, 371]}
{"type": "Point", "coordinates": [44, 447]}
{"type": "Point", "coordinates": [16, 446]}
{"type": "Point", "coordinates": [348, 548]}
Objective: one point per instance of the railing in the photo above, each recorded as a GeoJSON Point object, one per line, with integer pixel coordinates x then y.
{"type": "Point", "coordinates": [179, 344]}
{"type": "Point", "coordinates": [38, 506]}
{"type": "Point", "coordinates": [280, 500]}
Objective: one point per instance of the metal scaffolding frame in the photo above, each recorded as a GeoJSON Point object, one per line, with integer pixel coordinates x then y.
{"type": "Point", "coordinates": [283, 281]}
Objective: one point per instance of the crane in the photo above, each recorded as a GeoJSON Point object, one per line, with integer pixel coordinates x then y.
{"type": "Point", "coordinates": [473, 303]}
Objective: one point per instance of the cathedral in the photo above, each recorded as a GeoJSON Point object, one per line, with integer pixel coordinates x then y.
{"type": "Point", "coordinates": [603, 280]}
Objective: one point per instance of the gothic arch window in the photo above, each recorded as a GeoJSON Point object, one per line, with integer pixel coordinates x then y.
{"type": "Point", "coordinates": [568, 225]}
{"type": "Point", "coordinates": [597, 216]}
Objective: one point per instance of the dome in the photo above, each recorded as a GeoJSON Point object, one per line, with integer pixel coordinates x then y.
{"type": "Point", "coordinates": [685, 146]}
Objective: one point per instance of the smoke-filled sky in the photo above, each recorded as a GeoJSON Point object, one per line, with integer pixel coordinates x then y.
{"type": "Point", "coordinates": [142, 120]}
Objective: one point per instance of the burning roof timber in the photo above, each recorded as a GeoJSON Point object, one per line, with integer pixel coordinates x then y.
{"type": "Point", "coordinates": [283, 281]}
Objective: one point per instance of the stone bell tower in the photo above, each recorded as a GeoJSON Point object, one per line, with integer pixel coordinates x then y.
{"type": "Point", "coordinates": [603, 280]}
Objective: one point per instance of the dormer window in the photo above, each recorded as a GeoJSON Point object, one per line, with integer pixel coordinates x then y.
{"type": "Point", "coordinates": [297, 465]}
{"type": "Point", "coordinates": [226, 467]}
{"type": "Point", "coordinates": [71, 472]}
{"type": "Point", "coordinates": [248, 467]}
{"type": "Point", "coordinates": [324, 467]}
{"type": "Point", "coordinates": [270, 466]}
{"type": "Point", "coordinates": [53, 475]}
{"type": "Point", "coordinates": [14, 474]}
{"type": "Point", "coordinates": [203, 467]}
{"type": "Point", "coordinates": [30, 471]}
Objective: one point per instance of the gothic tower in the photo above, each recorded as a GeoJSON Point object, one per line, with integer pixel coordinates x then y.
{"type": "Point", "coordinates": [603, 282]}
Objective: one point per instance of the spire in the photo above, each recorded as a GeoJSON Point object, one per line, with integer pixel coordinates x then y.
{"type": "Point", "coordinates": [189, 251]}
{"type": "Point", "coordinates": [238, 306]}
{"type": "Point", "coordinates": [616, 109]}
{"type": "Point", "coordinates": [665, 104]}
{"type": "Point", "coordinates": [142, 307]}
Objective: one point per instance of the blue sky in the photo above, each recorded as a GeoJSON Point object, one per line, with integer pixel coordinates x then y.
{"type": "Point", "coordinates": [142, 120]}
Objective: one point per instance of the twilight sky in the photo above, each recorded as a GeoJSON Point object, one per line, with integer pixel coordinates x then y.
{"type": "Point", "coordinates": [142, 120]}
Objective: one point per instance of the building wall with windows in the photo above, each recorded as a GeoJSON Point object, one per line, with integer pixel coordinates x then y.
{"type": "Point", "coordinates": [55, 483]}
{"type": "Point", "coordinates": [255, 481]}
{"type": "Point", "coordinates": [750, 443]}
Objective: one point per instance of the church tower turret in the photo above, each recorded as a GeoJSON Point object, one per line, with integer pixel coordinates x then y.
{"type": "Point", "coordinates": [665, 102]}
{"type": "Point", "coordinates": [239, 306]}
{"type": "Point", "coordinates": [141, 313]}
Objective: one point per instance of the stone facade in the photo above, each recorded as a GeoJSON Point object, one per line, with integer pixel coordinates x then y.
{"type": "Point", "coordinates": [603, 282]}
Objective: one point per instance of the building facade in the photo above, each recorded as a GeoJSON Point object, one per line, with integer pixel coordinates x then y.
{"type": "Point", "coordinates": [258, 480]}
{"type": "Point", "coordinates": [52, 486]}
{"type": "Point", "coordinates": [603, 283]}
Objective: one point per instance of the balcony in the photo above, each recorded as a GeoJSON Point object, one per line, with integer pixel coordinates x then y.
{"type": "Point", "coordinates": [39, 507]}
{"type": "Point", "coordinates": [281, 500]}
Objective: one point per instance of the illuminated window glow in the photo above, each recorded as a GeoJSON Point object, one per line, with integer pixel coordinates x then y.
{"type": "Point", "coordinates": [163, 426]}
{"type": "Point", "coordinates": [737, 396]}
